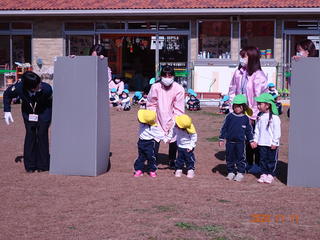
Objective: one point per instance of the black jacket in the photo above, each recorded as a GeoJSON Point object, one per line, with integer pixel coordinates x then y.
{"type": "Point", "coordinates": [43, 99]}
{"type": "Point", "coordinates": [236, 128]}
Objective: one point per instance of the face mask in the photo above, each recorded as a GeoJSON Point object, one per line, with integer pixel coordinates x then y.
{"type": "Point", "coordinates": [167, 81]}
{"type": "Point", "coordinates": [243, 62]}
{"type": "Point", "coordinates": [117, 80]}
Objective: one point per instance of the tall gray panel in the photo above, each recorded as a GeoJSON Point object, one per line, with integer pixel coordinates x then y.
{"type": "Point", "coordinates": [304, 132]}
{"type": "Point", "coordinates": [80, 122]}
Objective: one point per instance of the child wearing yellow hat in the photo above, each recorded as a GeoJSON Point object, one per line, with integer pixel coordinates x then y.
{"type": "Point", "coordinates": [267, 136]}
{"type": "Point", "coordinates": [236, 130]}
{"type": "Point", "coordinates": [149, 138]}
{"type": "Point", "coordinates": [186, 135]}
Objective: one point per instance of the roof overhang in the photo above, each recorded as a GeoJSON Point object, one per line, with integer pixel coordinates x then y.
{"type": "Point", "coordinates": [157, 12]}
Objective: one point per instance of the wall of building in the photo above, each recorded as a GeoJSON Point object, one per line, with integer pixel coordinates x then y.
{"type": "Point", "coordinates": [47, 42]}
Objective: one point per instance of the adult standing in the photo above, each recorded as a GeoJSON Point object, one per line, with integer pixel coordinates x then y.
{"type": "Point", "coordinates": [250, 80]}
{"type": "Point", "coordinates": [36, 110]}
{"type": "Point", "coordinates": [166, 97]}
{"type": "Point", "coordinates": [305, 48]}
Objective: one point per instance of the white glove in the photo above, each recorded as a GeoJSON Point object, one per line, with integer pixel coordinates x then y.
{"type": "Point", "coordinates": [8, 117]}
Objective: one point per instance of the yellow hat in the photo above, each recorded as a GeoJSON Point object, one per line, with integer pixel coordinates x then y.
{"type": "Point", "coordinates": [147, 116]}
{"type": "Point", "coordinates": [184, 121]}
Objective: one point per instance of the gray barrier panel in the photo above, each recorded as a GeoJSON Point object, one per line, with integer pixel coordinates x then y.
{"type": "Point", "coordinates": [304, 131]}
{"type": "Point", "coordinates": [80, 138]}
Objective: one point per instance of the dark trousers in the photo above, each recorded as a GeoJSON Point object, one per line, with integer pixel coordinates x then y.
{"type": "Point", "coordinates": [268, 159]}
{"type": "Point", "coordinates": [236, 157]}
{"type": "Point", "coordinates": [172, 151]}
{"type": "Point", "coordinates": [185, 158]}
{"type": "Point", "coordinates": [252, 155]}
{"type": "Point", "coordinates": [36, 146]}
{"type": "Point", "coordinates": [146, 150]}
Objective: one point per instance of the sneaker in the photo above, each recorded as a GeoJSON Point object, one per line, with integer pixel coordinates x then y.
{"type": "Point", "coordinates": [238, 177]}
{"type": "Point", "coordinates": [138, 173]}
{"type": "Point", "coordinates": [190, 173]}
{"type": "Point", "coordinates": [230, 176]}
{"type": "Point", "coordinates": [262, 178]}
{"type": "Point", "coordinates": [178, 173]}
{"type": "Point", "coordinates": [269, 179]}
{"type": "Point", "coordinates": [153, 174]}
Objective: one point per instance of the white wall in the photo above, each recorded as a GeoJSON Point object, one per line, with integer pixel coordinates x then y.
{"type": "Point", "coordinates": [217, 78]}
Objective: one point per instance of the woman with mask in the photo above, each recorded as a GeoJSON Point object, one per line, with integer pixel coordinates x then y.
{"type": "Point", "coordinates": [305, 48]}
{"type": "Point", "coordinates": [166, 98]}
{"type": "Point", "coordinates": [249, 80]}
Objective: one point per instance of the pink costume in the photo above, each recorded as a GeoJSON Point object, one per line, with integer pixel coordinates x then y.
{"type": "Point", "coordinates": [119, 86]}
{"type": "Point", "coordinates": [167, 103]}
{"type": "Point", "coordinates": [256, 85]}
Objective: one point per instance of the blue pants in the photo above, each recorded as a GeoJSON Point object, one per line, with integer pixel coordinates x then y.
{"type": "Point", "coordinates": [236, 157]}
{"type": "Point", "coordinates": [146, 149]}
{"type": "Point", "coordinates": [185, 157]}
{"type": "Point", "coordinates": [268, 159]}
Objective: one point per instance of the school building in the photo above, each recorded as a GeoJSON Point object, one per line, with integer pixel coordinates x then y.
{"type": "Point", "coordinates": [201, 39]}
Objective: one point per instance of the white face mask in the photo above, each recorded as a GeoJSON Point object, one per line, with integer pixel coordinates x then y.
{"type": "Point", "coordinates": [167, 81]}
{"type": "Point", "coordinates": [243, 62]}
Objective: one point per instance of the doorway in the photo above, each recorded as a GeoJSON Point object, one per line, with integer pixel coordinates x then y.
{"type": "Point", "coordinates": [140, 57]}
{"type": "Point", "coordinates": [132, 57]}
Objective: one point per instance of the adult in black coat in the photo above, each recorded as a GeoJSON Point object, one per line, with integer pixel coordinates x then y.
{"type": "Point", "coordinates": [36, 110]}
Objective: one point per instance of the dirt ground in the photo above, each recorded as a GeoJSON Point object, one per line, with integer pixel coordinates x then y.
{"type": "Point", "coordinates": [117, 206]}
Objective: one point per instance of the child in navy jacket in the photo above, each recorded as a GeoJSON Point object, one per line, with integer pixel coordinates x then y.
{"type": "Point", "coordinates": [236, 130]}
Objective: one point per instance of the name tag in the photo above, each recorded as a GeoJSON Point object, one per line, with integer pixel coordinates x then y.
{"type": "Point", "coordinates": [33, 117]}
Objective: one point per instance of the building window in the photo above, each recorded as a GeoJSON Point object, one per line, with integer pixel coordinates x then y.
{"type": "Point", "coordinates": [301, 24]}
{"type": "Point", "coordinates": [110, 25]}
{"type": "Point", "coordinates": [21, 25]}
{"type": "Point", "coordinates": [79, 44]}
{"type": "Point", "coordinates": [142, 25]}
{"type": "Point", "coordinates": [259, 34]}
{"type": "Point", "coordinates": [79, 26]}
{"type": "Point", "coordinates": [4, 50]}
{"type": "Point", "coordinates": [4, 26]}
{"type": "Point", "coordinates": [173, 25]}
{"type": "Point", "coordinates": [21, 48]}
{"type": "Point", "coordinates": [214, 39]}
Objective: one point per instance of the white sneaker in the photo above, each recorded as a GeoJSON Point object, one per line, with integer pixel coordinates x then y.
{"type": "Point", "coordinates": [238, 177]}
{"type": "Point", "coordinates": [262, 178]}
{"type": "Point", "coordinates": [230, 176]}
{"type": "Point", "coordinates": [190, 173]}
{"type": "Point", "coordinates": [269, 179]}
{"type": "Point", "coordinates": [178, 173]}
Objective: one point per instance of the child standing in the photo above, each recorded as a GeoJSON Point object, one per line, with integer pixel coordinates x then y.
{"type": "Point", "coordinates": [236, 130]}
{"type": "Point", "coordinates": [267, 136]}
{"type": "Point", "coordinates": [186, 135]}
{"type": "Point", "coordinates": [149, 138]}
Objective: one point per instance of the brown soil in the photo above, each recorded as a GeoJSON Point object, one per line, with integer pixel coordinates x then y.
{"type": "Point", "coordinates": [117, 206]}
